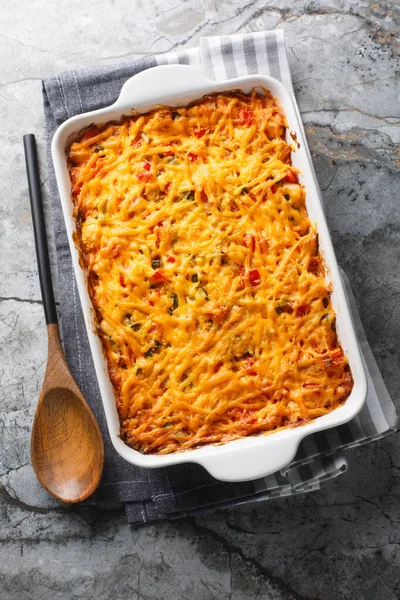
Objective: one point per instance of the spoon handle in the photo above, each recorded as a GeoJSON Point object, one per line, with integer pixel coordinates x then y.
{"type": "Point", "coordinates": [39, 228]}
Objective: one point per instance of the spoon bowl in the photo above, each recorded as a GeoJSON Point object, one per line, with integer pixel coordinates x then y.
{"type": "Point", "coordinates": [66, 445]}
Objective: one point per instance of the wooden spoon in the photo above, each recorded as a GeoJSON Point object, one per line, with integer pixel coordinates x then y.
{"type": "Point", "coordinates": [67, 448]}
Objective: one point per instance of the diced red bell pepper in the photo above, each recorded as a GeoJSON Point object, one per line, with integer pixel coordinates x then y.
{"type": "Point", "coordinates": [159, 277]}
{"type": "Point", "coordinates": [254, 277]}
{"type": "Point", "coordinates": [249, 241]}
{"type": "Point", "coordinates": [122, 280]}
{"type": "Point", "coordinates": [192, 157]}
{"type": "Point", "coordinates": [144, 175]}
{"type": "Point", "coordinates": [246, 117]}
{"type": "Point", "coordinates": [170, 259]}
{"type": "Point", "coordinates": [199, 133]}
{"type": "Point", "coordinates": [273, 188]}
{"type": "Point", "coordinates": [291, 177]}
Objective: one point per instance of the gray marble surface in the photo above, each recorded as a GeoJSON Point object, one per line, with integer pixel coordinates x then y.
{"type": "Point", "coordinates": [340, 543]}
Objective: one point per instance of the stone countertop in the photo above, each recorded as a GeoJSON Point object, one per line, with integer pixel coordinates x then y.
{"type": "Point", "coordinates": [340, 543]}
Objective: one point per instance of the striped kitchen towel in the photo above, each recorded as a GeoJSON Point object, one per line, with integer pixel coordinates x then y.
{"type": "Point", "coordinates": [186, 489]}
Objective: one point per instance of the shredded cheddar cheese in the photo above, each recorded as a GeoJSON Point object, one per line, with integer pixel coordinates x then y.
{"type": "Point", "coordinates": [204, 272]}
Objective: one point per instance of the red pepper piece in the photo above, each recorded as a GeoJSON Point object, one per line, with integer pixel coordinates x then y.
{"type": "Point", "coordinates": [122, 280]}
{"type": "Point", "coordinates": [273, 188]}
{"type": "Point", "coordinates": [249, 241]}
{"type": "Point", "coordinates": [246, 117]}
{"type": "Point", "coordinates": [192, 157]}
{"type": "Point", "coordinates": [159, 277]}
{"type": "Point", "coordinates": [170, 259]}
{"type": "Point", "coordinates": [199, 133]}
{"type": "Point", "coordinates": [291, 177]}
{"type": "Point", "coordinates": [254, 277]}
{"type": "Point", "coordinates": [144, 176]}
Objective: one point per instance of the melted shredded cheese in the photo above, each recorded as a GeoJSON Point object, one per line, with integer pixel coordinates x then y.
{"type": "Point", "coordinates": [204, 272]}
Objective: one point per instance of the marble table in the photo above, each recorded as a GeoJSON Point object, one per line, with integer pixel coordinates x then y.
{"type": "Point", "coordinates": [340, 543]}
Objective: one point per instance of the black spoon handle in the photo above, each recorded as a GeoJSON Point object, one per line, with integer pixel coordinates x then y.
{"type": "Point", "coordinates": [39, 228]}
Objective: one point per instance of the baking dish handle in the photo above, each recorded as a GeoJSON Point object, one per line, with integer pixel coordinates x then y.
{"type": "Point", "coordinates": [265, 457]}
{"type": "Point", "coordinates": [171, 80]}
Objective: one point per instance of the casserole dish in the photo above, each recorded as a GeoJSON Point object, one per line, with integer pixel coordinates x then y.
{"type": "Point", "coordinates": [251, 457]}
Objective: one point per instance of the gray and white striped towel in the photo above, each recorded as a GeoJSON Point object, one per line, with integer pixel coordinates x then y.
{"type": "Point", "coordinates": [185, 489]}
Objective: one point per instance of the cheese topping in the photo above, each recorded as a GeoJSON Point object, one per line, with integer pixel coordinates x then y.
{"type": "Point", "coordinates": [204, 272]}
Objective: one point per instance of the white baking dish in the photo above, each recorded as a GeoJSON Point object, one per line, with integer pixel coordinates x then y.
{"type": "Point", "coordinates": [251, 457]}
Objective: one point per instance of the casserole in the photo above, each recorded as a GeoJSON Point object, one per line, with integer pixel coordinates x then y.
{"type": "Point", "coordinates": [204, 273]}
{"type": "Point", "coordinates": [245, 458]}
